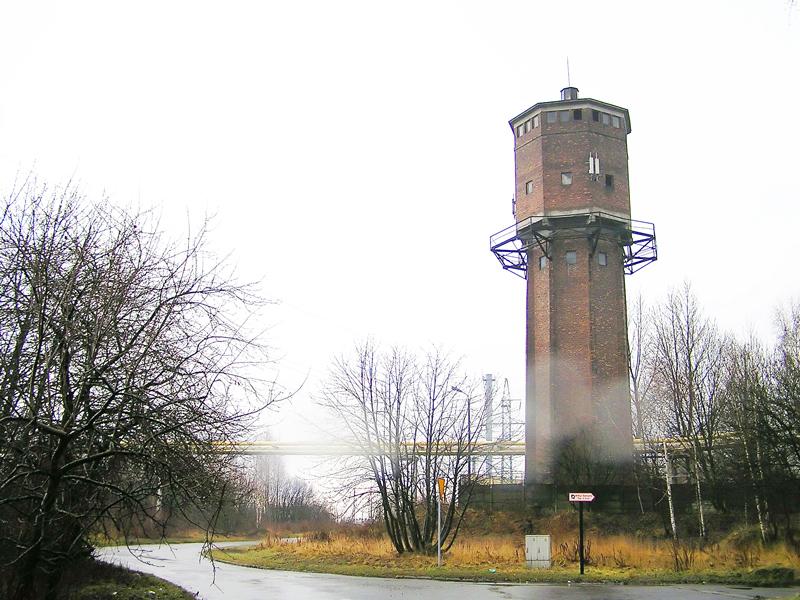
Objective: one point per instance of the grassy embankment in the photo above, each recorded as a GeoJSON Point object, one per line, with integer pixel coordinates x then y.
{"type": "Point", "coordinates": [121, 584]}
{"type": "Point", "coordinates": [90, 579]}
{"type": "Point", "coordinates": [739, 558]}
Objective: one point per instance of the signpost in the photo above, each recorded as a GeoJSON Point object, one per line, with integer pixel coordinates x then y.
{"type": "Point", "coordinates": [581, 498]}
{"type": "Point", "coordinates": [440, 485]}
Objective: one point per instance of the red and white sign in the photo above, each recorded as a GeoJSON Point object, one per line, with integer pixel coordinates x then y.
{"type": "Point", "coordinates": [581, 496]}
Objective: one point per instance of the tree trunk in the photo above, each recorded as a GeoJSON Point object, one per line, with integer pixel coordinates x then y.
{"type": "Point", "coordinates": [668, 479]}
{"type": "Point", "coordinates": [701, 512]}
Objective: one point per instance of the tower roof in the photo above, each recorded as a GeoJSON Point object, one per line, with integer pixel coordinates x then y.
{"type": "Point", "coordinates": [573, 103]}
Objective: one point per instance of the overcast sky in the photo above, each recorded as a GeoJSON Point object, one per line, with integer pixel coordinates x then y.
{"type": "Point", "coordinates": [357, 155]}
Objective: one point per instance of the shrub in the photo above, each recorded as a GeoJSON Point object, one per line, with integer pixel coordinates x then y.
{"type": "Point", "coordinates": [775, 576]}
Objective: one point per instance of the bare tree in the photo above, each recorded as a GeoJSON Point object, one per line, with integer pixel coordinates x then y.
{"type": "Point", "coordinates": [277, 496]}
{"type": "Point", "coordinates": [783, 418]}
{"type": "Point", "coordinates": [121, 366]}
{"type": "Point", "coordinates": [730, 408]}
{"type": "Point", "coordinates": [641, 379]}
{"type": "Point", "coordinates": [763, 412]}
{"type": "Point", "coordinates": [748, 406]}
{"type": "Point", "coordinates": [413, 420]}
{"type": "Point", "coordinates": [689, 359]}
{"type": "Point", "coordinates": [653, 468]}
{"type": "Point", "coordinates": [785, 410]}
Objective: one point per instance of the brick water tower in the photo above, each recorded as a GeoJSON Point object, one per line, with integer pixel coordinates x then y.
{"type": "Point", "coordinates": [573, 240]}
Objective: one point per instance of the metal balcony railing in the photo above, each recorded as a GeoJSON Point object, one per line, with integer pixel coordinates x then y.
{"type": "Point", "coordinates": [636, 238]}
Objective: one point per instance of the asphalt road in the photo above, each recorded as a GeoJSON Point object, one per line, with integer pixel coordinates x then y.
{"type": "Point", "coordinates": [183, 565]}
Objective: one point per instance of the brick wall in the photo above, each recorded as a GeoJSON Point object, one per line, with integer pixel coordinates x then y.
{"type": "Point", "coordinates": [545, 152]}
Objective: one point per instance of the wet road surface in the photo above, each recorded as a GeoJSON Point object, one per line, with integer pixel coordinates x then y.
{"type": "Point", "coordinates": [182, 564]}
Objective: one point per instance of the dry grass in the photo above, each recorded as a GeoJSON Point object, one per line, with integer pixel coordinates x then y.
{"type": "Point", "coordinates": [502, 557]}
{"type": "Point", "coordinates": [619, 552]}
{"type": "Point", "coordinates": [177, 537]}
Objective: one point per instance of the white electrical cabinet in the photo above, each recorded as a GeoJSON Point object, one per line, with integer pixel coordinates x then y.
{"type": "Point", "coordinates": [537, 551]}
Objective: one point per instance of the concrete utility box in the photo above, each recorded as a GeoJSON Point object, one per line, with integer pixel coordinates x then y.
{"type": "Point", "coordinates": [537, 551]}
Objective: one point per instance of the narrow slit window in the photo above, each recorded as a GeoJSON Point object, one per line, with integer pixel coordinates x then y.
{"type": "Point", "coordinates": [527, 126]}
{"type": "Point", "coordinates": [566, 179]}
{"type": "Point", "coordinates": [520, 130]}
{"type": "Point", "coordinates": [535, 121]}
{"type": "Point", "coordinates": [542, 262]}
{"type": "Point", "coordinates": [609, 182]}
{"type": "Point", "coordinates": [577, 114]}
{"type": "Point", "coordinates": [572, 257]}
{"type": "Point", "coordinates": [602, 259]}
{"type": "Point", "coordinates": [529, 187]}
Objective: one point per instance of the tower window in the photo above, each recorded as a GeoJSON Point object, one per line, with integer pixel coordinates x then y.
{"type": "Point", "coordinates": [563, 116]}
{"type": "Point", "coordinates": [535, 121]}
{"type": "Point", "coordinates": [566, 179]}
{"type": "Point", "coordinates": [542, 262]}
{"type": "Point", "coordinates": [527, 126]}
{"type": "Point", "coordinates": [572, 257]}
{"type": "Point", "coordinates": [520, 130]}
{"type": "Point", "coordinates": [595, 115]}
{"type": "Point", "coordinates": [602, 259]}
{"type": "Point", "coordinates": [577, 114]}
{"type": "Point", "coordinates": [609, 182]}
{"type": "Point", "coordinates": [606, 119]}
{"type": "Point", "coordinates": [552, 117]}
{"type": "Point", "coordinates": [616, 122]}
{"type": "Point", "coordinates": [529, 187]}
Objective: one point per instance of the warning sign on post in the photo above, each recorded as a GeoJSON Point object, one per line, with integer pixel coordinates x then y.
{"type": "Point", "coordinates": [581, 496]}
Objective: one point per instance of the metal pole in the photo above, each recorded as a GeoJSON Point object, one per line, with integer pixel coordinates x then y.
{"type": "Point", "coordinates": [580, 525]}
{"type": "Point", "coordinates": [469, 438]}
{"type": "Point", "coordinates": [439, 529]}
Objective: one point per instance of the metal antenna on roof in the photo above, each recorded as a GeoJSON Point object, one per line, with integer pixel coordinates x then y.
{"type": "Point", "coordinates": [569, 83]}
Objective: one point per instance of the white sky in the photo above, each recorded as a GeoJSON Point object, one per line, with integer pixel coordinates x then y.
{"type": "Point", "coordinates": [357, 154]}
